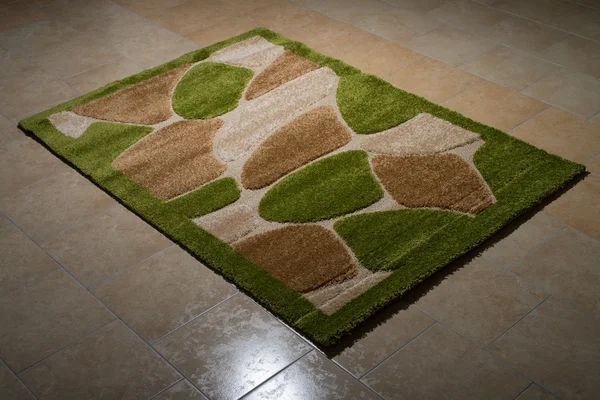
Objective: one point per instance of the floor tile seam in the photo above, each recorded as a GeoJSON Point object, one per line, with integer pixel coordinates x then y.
{"type": "Point", "coordinates": [595, 115]}
{"type": "Point", "coordinates": [18, 378]}
{"type": "Point", "coordinates": [388, 75]}
{"type": "Point", "coordinates": [548, 106]}
{"type": "Point", "coordinates": [98, 66]}
{"type": "Point", "coordinates": [562, 228]}
{"type": "Point", "coordinates": [374, 368]}
{"type": "Point", "coordinates": [167, 389]}
{"type": "Point", "coordinates": [113, 277]}
{"type": "Point", "coordinates": [482, 82]}
{"type": "Point", "coordinates": [537, 22]}
{"type": "Point", "coordinates": [155, 341]}
{"type": "Point", "coordinates": [523, 391]}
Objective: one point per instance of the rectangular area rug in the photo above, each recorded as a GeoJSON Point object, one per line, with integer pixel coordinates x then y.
{"type": "Point", "coordinates": [321, 191]}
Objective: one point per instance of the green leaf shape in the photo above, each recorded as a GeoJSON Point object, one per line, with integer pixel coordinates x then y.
{"type": "Point", "coordinates": [380, 239]}
{"type": "Point", "coordinates": [370, 104]}
{"type": "Point", "coordinates": [327, 188]}
{"type": "Point", "coordinates": [209, 90]}
{"type": "Point", "coordinates": [209, 198]}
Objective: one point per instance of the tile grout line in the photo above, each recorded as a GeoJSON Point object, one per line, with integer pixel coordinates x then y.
{"type": "Point", "coordinates": [524, 390]}
{"type": "Point", "coordinates": [562, 228]}
{"type": "Point", "coordinates": [166, 389]}
{"type": "Point", "coordinates": [17, 377]}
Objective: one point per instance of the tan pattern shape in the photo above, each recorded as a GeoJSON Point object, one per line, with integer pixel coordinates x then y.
{"type": "Point", "coordinates": [244, 50]}
{"type": "Point", "coordinates": [247, 126]}
{"type": "Point", "coordinates": [438, 180]}
{"type": "Point", "coordinates": [146, 103]}
{"type": "Point", "coordinates": [70, 123]}
{"type": "Point", "coordinates": [423, 134]}
{"type": "Point", "coordinates": [304, 257]}
{"type": "Point", "coordinates": [304, 139]}
{"type": "Point", "coordinates": [285, 68]}
{"type": "Point", "coordinates": [258, 60]}
{"type": "Point", "coordinates": [230, 223]}
{"type": "Point", "coordinates": [173, 160]}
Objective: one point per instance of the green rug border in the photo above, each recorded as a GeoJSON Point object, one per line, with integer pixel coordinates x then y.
{"type": "Point", "coordinates": [287, 304]}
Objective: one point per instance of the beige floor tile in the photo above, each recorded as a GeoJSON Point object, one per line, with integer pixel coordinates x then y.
{"type": "Point", "coordinates": [579, 207]}
{"type": "Point", "coordinates": [532, 233]}
{"type": "Point", "coordinates": [164, 292]}
{"type": "Point", "coordinates": [566, 266]}
{"type": "Point", "coordinates": [14, 66]}
{"type": "Point", "coordinates": [352, 11]}
{"type": "Point", "coordinates": [113, 240]}
{"type": "Point", "coordinates": [326, 33]}
{"type": "Point", "coordinates": [238, 7]}
{"type": "Point", "coordinates": [419, 6]}
{"type": "Point", "coordinates": [110, 363]}
{"type": "Point", "coordinates": [8, 132]}
{"type": "Point", "coordinates": [33, 38]}
{"type": "Point", "coordinates": [496, 106]}
{"type": "Point", "coordinates": [434, 80]}
{"type": "Point", "coordinates": [467, 15]}
{"type": "Point", "coordinates": [14, 15]}
{"type": "Point", "coordinates": [31, 94]}
{"type": "Point", "coordinates": [10, 387]}
{"type": "Point", "coordinates": [22, 261]}
{"type": "Point", "coordinates": [376, 56]}
{"type": "Point", "coordinates": [577, 53]}
{"type": "Point", "coordinates": [451, 46]}
{"type": "Point", "coordinates": [397, 25]}
{"type": "Point", "coordinates": [73, 56]}
{"type": "Point", "coordinates": [534, 392]}
{"type": "Point", "coordinates": [222, 31]}
{"type": "Point", "coordinates": [148, 7]}
{"type": "Point", "coordinates": [440, 364]}
{"type": "Point", "coordinates": [24, 161]}
{"type": "Point", "coordinates": [77, 11]}
{"type": "Point", "coordinates": [571, 91]}
{"type": "Point", "coordinates": [594, 165]}
{"type": "Point", "coordinates": [312, 377]}
{"type": "Point", "coordinates": [50, 205]}
{"type": "Point", "coordinates": [39, 319]}
{"type": "Point", "coordinates": [582, 21]}
{"type": "Point", "coordinates": [282, 16]}
{"type": "Point", "coordinates": [191, 16]}
{"type": "Point", "coordinates": [561, 133]}
{"type": "Point", "coordinates": [510, 68]}
{"type": "Point", "coordinates": [183, 390]}
{"type": "Point", "coordinates": [231, 349]}
{"type": "Point", "coordinates": [383, 341]}
{"type": "Point", "coordinates": [545, 11]}
{"type": "Point", "coordinates": [522, 34]}
{"type": "Point", "coordinates": [480, 301]}
{"type": "Point", "coordinates": [596, 118]}
{"type": "Point", "coordinates": [556, 346]}
{"type": "Point", "coordinates": [103, 75]}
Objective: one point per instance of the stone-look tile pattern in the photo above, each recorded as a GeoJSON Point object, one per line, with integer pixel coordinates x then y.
{"type": "Point", "coordinates": [15, 14]}
{"type": "Point", "coordinates": [22, 260]}
{"type": "Point", "coordinates": [8, 132]}
{"type": "Point", "coordinates": [97, 77]}
{"type": "Point", "coordinates": [561, 133]}
{"type": "Point", "coordinates": [190, 16]}
{"type": "Point", "coordinates": [495, 105]}
{"type": "Point", "coordinates": [41, 318]}
{"type": "Point", "coordinates": [556, 346]}
{"type": "Point", "coordinates": [222, 31]}
{"type": "Point", "coordinates": [566, 266]}
{"type": "Point", "coordinates": [579, 207]}
{"type": "Point", "coordinates": [232, 348]}
{"type": "Point", "coordinates": [182, 390]}
{"type": "Point", "coordinates": [113, 241]}
{"type": "Point", "coordinates": [123, 367]}
{"type": "Point", "coordinates": [378, 344]}
{"type": "Point", "coordinates": [10, 387]}
{"type": "Point", "coordinates": [281, 16]}
{"type": "Point", "coordinates": [480, 301]}
{"type": "Point", "coordinates": [312, 377]}
{"type": "Point", "coordinates": [467, 15]}
{"type": "Point", "coordinates": [397, 25]}
{"type": "Point", "coordinates": [163, 292]}
{"type": "Point", "coordinates": [576, 53]}
{"type": "Point", "coordinates": [534, 392]}
{"type": "Point", "coordinates": [509, 247]}
{"type": "Point", "coordinates": [439, 364]}
{"type": "Point", "coordinates": [433, 79]}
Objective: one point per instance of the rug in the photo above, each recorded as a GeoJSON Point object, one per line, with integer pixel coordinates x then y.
{"type": "Point", "coordinates": [323, 192]}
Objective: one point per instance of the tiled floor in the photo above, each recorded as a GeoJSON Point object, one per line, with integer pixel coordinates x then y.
{"type": "Point", "coordinates": [96, 304]}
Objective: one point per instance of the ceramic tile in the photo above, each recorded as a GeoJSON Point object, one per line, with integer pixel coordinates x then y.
{"type": "Point", "coordinates": [577, 53]}
{"type": "Point", "coordinates": [43, 317]}
{"type": "Point", "coordinates": [10, 387]}
{"type": "Point", "coordinates": [77, 11]}
{"type": "Point", "coordinates": [593, 165]}
{"type": "Point", "coordinates": [231, 349]}
{"type": "Point", "coordinates": [397, 25]}
{"type": "Point", "coordinates": [434, 80]}
{"type": "Point", "coordinates": [381, 342]}
{"type": "Point", "coordinates": [467, 15]}
{"type": "Point", "coordinates": [352, 11]}
{"type": "Point", "coordinates": [16, 14]}
{"type": "Point", "coordinates": [190, 16]}
{"type": "Point", "coordinates": [419, 6]}
{"type": "Point", "coordinates": [103, 75]}
{"type": "Point", "coordinates": [327, 33]}
{"type": "Point", "coordinates": [557, 347]}
{"type": "Point", "coordinates": [14, 66]}
{"type": "Point", "coordinates": [496, 105]}
{"type": "Point", "coordinates": [579, 207]}
{"type": "Point", "coordinates": [8, 131]}
{"type": "Point", "coordinates": [183, 390]}
{"type": "Point", "coordinates": [238, 7]}
{"type": "Point", "coordinates": [562, 133]}
{"type": "Point", "coordinates": [50, 205]}
{"type": "Point", "coordinates": [164, 292]}
{"type": "Point", "coordinates": [451, 46]}
{"type": "Point", "coordinates": [440, 364]}
{"type": "Point", "coordinates": [110, 363]}
{"type": "Point", "coordinates": [148, 7]}
{"type": "Point", "coordinates": [534, 392]}
{"type": "Point", "coordinates": [222, 31]}
{"type": "Point", "coordinates": [312, 377]}
{"type": "Point", "coordinates": [282, 16]}
{"type": "Point", "coordinates": [33, 38]}
{"type": "Point", "coordinates": [509, 68]}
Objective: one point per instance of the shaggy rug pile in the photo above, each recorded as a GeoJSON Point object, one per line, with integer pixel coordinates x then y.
{"type": "Point", "coordinates": [323, 192]}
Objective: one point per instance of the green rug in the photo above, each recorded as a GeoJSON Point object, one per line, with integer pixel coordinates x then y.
{"type": "Point", "coordinates": [323, 192]}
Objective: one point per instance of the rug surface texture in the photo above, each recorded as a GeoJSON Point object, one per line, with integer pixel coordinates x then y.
{"type": "Point", "coordinates": [321, 191]}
